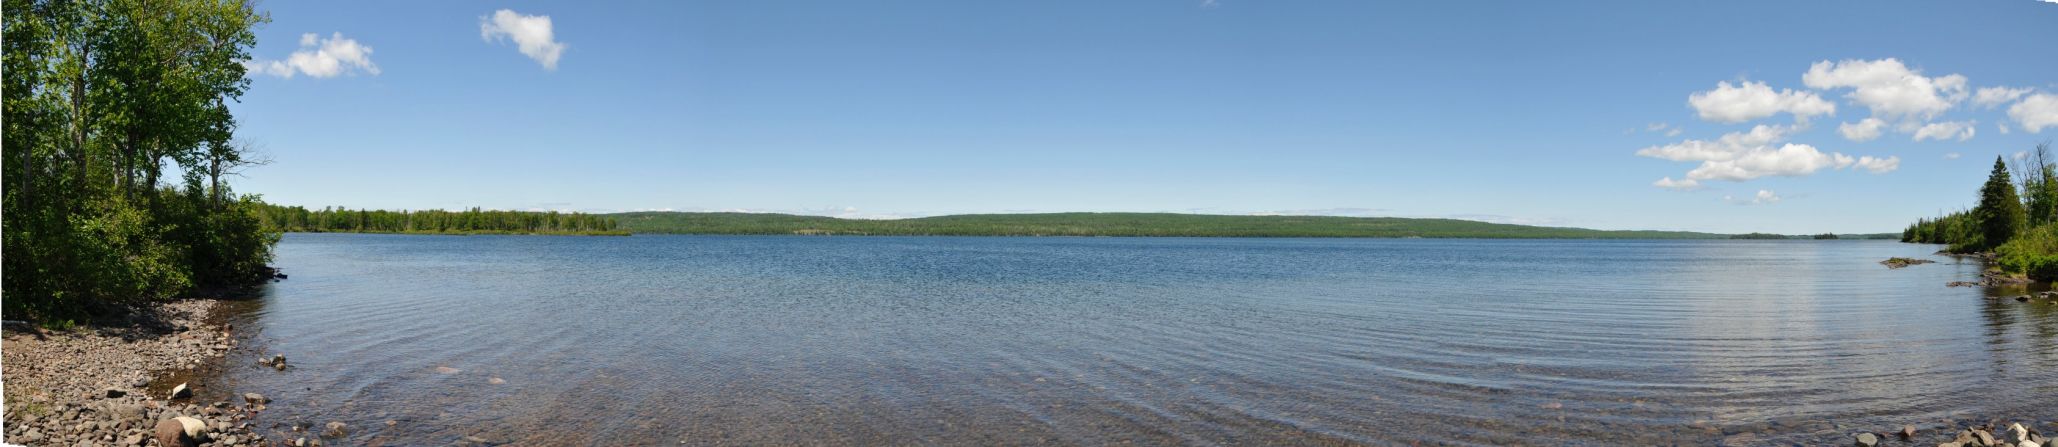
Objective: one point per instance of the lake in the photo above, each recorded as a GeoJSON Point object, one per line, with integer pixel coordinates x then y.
{"type": "Point", "coordinates": [946, 340]}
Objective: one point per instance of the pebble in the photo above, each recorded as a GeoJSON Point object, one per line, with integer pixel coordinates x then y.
{"type": "Point", "coordinates": [1867, 440]}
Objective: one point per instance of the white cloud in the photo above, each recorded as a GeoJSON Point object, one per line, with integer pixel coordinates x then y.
{"type": "Point", "coordinates": [1789, 160]}
{"type": "Point", "coordinates": [1677, 185]}
{"type": "Point", "coordinates": [2003, 127]}
{"type": "Point", "coordinates": [1748, 100]}
{"type": "Point", "coordinates": [1863, 130]}
{"type": "Point", "coordinates": [1888, 87]}
{"type": "Point", "coordinates": [1743, 156]}
{"type": "Point", "coordinates": [1878, 165]}
{"type": "Point", "coordinates": [2036, 112]}
{"type": "Point", "coordinates": [1951, 155]}
{"type": "Point", "coordinates": [1962, 130]}
{"type": "Point", "coordinates": [321, 58]}
{"type": "Point", "coordinates": [1654, 127]}
{"type": "Point", "coordinates": [1674, 132]}
{"type": "Point", "coordinates": [1764, 197]}
{"type": "Point", "coordinates": [1991, 97]}
{"type": "Point", "coordinates": [531, 34]}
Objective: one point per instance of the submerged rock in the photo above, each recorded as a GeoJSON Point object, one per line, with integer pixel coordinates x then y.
{"type": "Point", "coordinates": [336, 430]}
{"type": "Point", "coordinates": [1867, 440]}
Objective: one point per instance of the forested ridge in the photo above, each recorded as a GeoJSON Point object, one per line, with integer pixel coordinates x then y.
{"type": "Point", "coordinates": [103, 99]}
{"type": "Point", "coordinates": [471, 221]}
{"type": "Point", "coordinates": [1114, 224]}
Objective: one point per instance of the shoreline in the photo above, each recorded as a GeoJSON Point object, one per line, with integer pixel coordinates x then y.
{"type": "Point", "coordinates": [112, 384]}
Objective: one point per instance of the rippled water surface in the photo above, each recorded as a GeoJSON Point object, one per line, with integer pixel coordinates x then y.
{"type": "Point", "coordinates": [837, 340]}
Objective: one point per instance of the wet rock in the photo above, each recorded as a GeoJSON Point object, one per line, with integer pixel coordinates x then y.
{"type": "Point", "coordinates": [255, 399]}
{"type": "Point", "coordinates": [1898, 262]}
{"type": "Point", "coordinates": [496, 381]}
{"type": "Point", "coordinates": [335, 430]}
{"type": "Point", "coordinates": [1907, 432]}
{"type": "Point", "coordinates": [181, 392]}
{"type": "Point", "coordinates": [1867, 440]}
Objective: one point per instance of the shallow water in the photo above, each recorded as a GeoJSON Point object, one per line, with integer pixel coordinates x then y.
{"type": "Point", "coordinates": [942, 340]}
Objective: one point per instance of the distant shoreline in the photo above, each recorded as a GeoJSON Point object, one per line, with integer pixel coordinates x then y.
{"type": "Point", "coordinates": [1132, 225]}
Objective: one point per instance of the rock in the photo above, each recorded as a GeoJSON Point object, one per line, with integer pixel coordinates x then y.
{"type": "Point", "coordinates": [496, 381]}
{"type": "Point", "coordinates": [2020, 433]}
{"type": "Point", "coordinates": [447, 370]}
{"type": "Point", "coordinates": [2023, 298]}
{"type": "Point", "coordinates": [126, 412]}
{"type": "Point", "coordinates": [1907, 432]}
{"type": "Point", "coordinates": [32, 437]}
{"type": "Point", "coordinates": [171, 433]}
{"type": "Point", "coordinates": [1983, 437]}
{"type": "Point", "coordinates": [180, 392]}
{"type": "Point", "coordinates": [140, 382]}
{"type": "Point", "coordinates": [299, 442]}
{"type": "Point", "coordinates": [279, 366]}
{"type": "Point", "coordinates": [113, 393]}
{"type": "Point", "coordinates": [255, 399]}
{"type": "Point", "coordinates": [1867, 440]}
{"type": "Point", "coordinates": [2028, 444]}
{"type": "Point", "coordinates": [336, 430]}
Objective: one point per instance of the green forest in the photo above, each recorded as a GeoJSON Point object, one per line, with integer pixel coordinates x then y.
{"type": "Point", "coordinates": [119, 148]}
{"type": "Point", "coordinates": [472, 221]}
{"type": "Point", "coordinates": [1115, 224]}
{"type": "Point", "coordinates": [2015, 220]}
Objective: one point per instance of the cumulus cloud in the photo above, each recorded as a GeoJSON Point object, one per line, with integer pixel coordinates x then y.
{"type": "Point", "coordinates": [1962, 130]}
{"type": "Point", "coordinates": [1888, 87]}
{"type": "Point", "coordinates": [1863, 130]}
{"type": "Point", "coordinates": [2035, 112]}
{"type": "Point", "coordinates": [1748, 100]}
{"type": "Point", "coordinates": [1677, 185]}
{"type": "Point", "coordinates": [1878, 165]}
{"type": "Point", "coordinates": [1759, 152]}
{"type": "Point", "coordinates": [531, 34]}
{"type": "Point", "coordinates": [320, 58]}
{"type": "Point", "coordinates": [1991, 97]}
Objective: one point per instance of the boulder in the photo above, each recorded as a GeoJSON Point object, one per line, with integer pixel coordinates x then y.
{"type": "Point", "coordinates": [1867, 440]}
{"type": "Point", "coordinates": [173, 432]}
{"type": "Point", "coordinates": [181, 392]}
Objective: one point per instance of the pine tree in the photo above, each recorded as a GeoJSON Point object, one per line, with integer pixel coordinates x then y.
{"type": "Point", "coordinates": [2000, 211]}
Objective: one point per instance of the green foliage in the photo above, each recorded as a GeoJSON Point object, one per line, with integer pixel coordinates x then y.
{"type": "Point", "coordinates": [472, 221]}
{"type": "Point", "coordinates": [99, 95]}
{"type": "Point", "coordinates": [1113, 224]}
{"type": "Point", "coordinates": [2033, 253]}
{"type": "Point", "coordinates": [1826, 236]}
{"type": "Point", "coordinates": [2000, 210]}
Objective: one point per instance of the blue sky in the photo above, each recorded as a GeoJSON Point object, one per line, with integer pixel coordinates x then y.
{"type": "Point", "coordinates": [1524, 112]}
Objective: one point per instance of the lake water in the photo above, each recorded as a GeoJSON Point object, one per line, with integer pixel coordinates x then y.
{"type": "Point", "coordinates": [942, 340]}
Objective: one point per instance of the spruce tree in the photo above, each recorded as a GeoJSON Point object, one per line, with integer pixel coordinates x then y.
{"type": "Point", "coordinates": [2000, 211]}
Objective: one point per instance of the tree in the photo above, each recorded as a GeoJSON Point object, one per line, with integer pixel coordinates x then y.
{"type": "Point", "coordinates": [1999, 212]}
{"type": "Point", "coordinates": [2037, 175]}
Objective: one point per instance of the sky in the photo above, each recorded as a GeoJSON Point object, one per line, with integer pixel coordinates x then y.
{"type": "Point", "coordinates": [1788, 117]}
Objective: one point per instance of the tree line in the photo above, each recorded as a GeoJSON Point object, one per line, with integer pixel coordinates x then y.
{"type": "Point", "coordinates": [103, 100]}
{"type": "Point", "coordinates": [2016, 218]}
{"type": "Point", "coordinates": [471, 221]}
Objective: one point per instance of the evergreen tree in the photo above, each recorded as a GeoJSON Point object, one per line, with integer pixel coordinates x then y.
{"type": "Point", "coordinates": [2000, 210]}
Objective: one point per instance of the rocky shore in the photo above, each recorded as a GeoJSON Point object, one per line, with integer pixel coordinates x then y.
{"type": "Point", "coordinates": [115, 385]}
